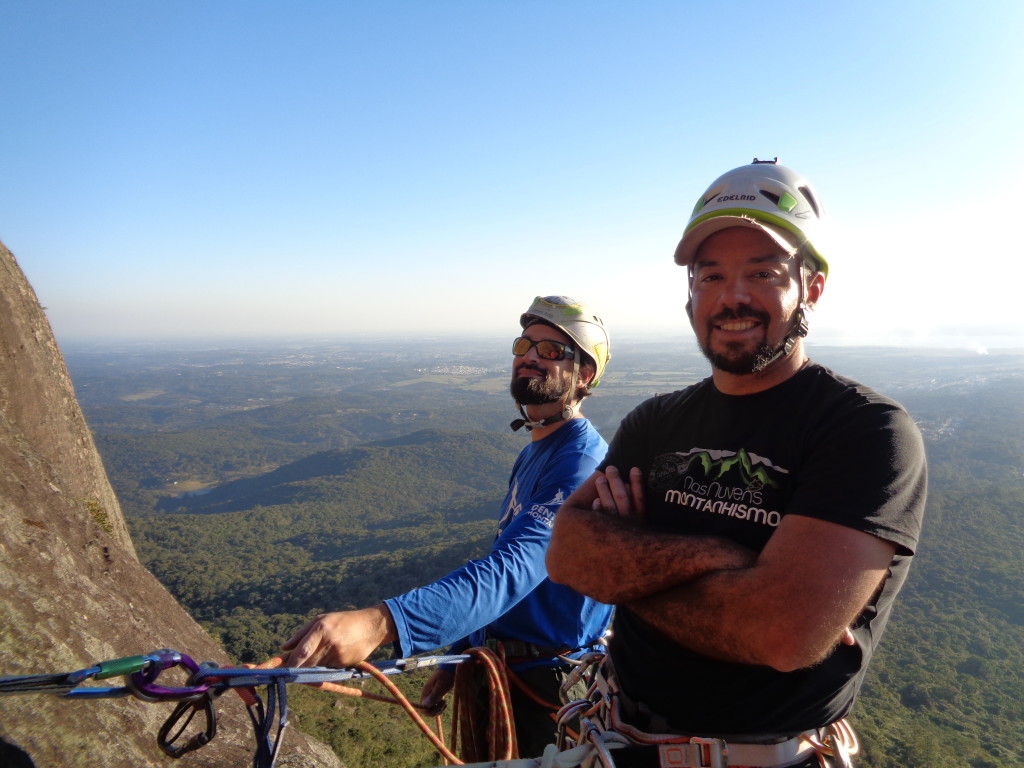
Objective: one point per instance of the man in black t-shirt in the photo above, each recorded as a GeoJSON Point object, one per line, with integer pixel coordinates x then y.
{"type": "Point", "coordinates": [754, 528]}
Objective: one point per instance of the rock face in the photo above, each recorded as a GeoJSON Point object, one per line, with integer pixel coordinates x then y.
{"type": "Point", "coordinates": [72, 591]}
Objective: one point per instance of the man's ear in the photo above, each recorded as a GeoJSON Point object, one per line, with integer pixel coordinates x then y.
{"type": "Point", "coordinates": [587, 371]}
{"type": "Point", "coordinates": [814, 289]}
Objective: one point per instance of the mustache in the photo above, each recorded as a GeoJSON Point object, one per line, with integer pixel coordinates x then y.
{"type": "Point", "coordinates": [529, 367]}
{"type": "Point", "coordinates": [738, 313]}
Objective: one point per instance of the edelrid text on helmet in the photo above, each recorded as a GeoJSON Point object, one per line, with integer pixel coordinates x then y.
{"type": "Point", "coordinates": [576, 321]}
{"type": "Point", "coordinates": [763, 195]}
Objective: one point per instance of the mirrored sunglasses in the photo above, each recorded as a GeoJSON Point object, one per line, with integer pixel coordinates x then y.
{"type": "Point", "coordinates": [546, 350]}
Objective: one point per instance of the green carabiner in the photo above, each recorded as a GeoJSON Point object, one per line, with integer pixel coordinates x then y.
{"type": "Point", "coordinates": [125, 666]}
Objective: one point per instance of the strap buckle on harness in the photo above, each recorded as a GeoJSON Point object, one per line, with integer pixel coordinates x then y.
{"type": "Point", "coordinates": [699, 753]}
{"type": "Point", "coordinates": [675, 750]}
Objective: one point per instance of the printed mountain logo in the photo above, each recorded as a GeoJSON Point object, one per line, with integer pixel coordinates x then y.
{"type": "Point", "coordinates": [745, 466]}
{"type": "Point", "coordinates": [728, 483]}
{"type": "Point", "coordinates": [753, 471]}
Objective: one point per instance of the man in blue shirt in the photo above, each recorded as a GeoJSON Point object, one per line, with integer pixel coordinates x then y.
{"type": "Point", "coordinates": [505, 595]}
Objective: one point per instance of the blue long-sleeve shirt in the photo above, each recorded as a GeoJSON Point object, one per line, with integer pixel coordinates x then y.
{"type": "Point", "coordinates": [507, 593]}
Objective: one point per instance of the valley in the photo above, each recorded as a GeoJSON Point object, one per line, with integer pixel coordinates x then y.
{"type": "Point", "coordinates": [336, 474]}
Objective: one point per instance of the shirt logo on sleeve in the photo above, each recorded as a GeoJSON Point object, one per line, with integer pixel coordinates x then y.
{"type": "Point", "coordinates": [513, 508]}
{"type": "Point", "coordinates": [546, 512]}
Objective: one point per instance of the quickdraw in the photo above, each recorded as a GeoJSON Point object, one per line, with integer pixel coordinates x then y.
{"type": "Point", "coordinates": [139, 672]}
{"type": "Point", "coordinates": [206, 682]}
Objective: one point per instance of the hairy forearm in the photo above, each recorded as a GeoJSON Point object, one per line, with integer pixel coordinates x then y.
{"type": "Point", "coordinates": [714, 616]}
{"type": "Point", "coordinates": [785, 607]}
{"type": "Point", "coordinates": [777, 613]}
{"type": "Point", "coordinates": [614, 559]}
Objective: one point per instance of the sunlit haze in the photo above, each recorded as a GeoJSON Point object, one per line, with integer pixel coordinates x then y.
{"type": "Point", "coordinates": [230, 168]}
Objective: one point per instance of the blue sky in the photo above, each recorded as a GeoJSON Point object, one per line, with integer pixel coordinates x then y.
{"type": "Point", "coordinates": [223, 168]}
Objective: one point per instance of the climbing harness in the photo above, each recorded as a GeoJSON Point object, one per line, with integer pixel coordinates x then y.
{"type": "Point", "coordinates": [605, 728]}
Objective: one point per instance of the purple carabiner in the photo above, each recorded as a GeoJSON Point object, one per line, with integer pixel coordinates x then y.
{"type": "Point", "coordinates": [143, 685]}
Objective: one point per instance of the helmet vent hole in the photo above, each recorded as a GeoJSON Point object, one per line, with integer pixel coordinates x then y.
{"type": "Point", "coordinates": [771, 196]}
{"type": "Point", "coordinates": [810, 198]}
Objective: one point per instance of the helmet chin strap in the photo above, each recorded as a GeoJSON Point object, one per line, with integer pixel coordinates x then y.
{"type": "Point", "coordinates": [568, 411]}
{"type": "Point", "coordinates": [799, 328]}
{"type": "Point", "coordinates": [798, 331]}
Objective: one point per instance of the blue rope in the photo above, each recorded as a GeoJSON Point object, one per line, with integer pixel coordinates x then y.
{"type": "Point", "coordinates": [206, 681]}
{"type": "Point", "coordinates": [243, 677]}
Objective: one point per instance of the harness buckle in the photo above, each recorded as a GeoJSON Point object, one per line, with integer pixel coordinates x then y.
{"type": "Point", "coordinates": [714, 753]}
{"type": "Point", "coordinates": [697, 753]}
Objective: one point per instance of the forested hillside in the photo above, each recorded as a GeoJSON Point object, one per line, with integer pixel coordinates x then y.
{"type": "Point", "coordinates": [339, 529]}
{"type": "Point", "coordinates": [945, 687]}
{"type": "Point", "coordinates": [376, 484]}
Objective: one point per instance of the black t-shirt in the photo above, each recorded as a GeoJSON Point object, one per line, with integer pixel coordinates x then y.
{"type": "Point", "coordinates": [817, 445]}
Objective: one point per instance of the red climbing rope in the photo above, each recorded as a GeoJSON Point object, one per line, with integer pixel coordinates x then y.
{"type": "Point", "coordinates": [487, 733]}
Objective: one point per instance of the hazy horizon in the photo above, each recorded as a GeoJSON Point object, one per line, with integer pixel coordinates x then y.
{"type": "Point", "coordinates": [231, 168]}
{"type": "Point", "coordinates": [952, 340]}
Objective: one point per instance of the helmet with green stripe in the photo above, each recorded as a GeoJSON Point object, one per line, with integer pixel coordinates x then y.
{"type": "Point", "coordinates": [577, 321]}
{"type": "Point", "coordinates": [763, 195]}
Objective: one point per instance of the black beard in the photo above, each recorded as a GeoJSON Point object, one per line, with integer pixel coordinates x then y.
{"type": "Point", "coordinates": [750, 362]}
{"type": "Point", "coordinates": [532, 391]}
{"type": "Point", "coordinates": [743, 363]}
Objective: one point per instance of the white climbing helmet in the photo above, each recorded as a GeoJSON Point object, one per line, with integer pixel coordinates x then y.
{"type": "Point", "coordinates": [763, 195]}
{"type": "Point", "coordinates": [576, 321]}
